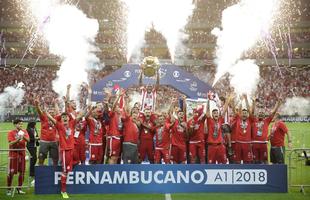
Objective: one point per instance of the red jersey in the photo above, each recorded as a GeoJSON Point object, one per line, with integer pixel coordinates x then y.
{"type": "Point", "coordinates": [162, 136]}
{"type": "Point", "coordinates": [116, 124]}
{"type": "Point", "coordinates": [95, 130]}
{"type": "Point", "coordinates": [145, 133]}
{"type": "Point", "coordinates": [66, 139]}
{"type": "Point", "coordinates": [242, 129]}
{"type": "Point", "coordinates": [199, 129]}
{"type": "Point", "coordinates": [80, 130]}
{"type": "Point", "coordinates": [131, 130]}
{"type": "Point", "coordinates": [14, 135]}
{"type": "Point", "coordinates": [277, 134]}
{"type": "Point", "coordinates": [260, 129]}
{"type": "Point", "coordinates": [178, 137]}
{"type": "Point", "coordinates": [48, 130]}
{"type": "Point", "coordinates": [215, 130]}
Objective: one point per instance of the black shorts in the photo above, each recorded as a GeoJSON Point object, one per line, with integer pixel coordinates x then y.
{"type": "Point", "coordinates": [48, 147]}
{"type": "Point", "coordinates": [130, 153]}
{"type": "Point", "coordinates": [277, 155]}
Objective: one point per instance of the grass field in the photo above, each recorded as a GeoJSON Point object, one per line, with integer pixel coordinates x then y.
{"type": "Point", "coordinates": [300, 174]}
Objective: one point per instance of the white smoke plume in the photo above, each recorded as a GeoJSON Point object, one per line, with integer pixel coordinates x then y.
{"type": "Point", "coordinates": [11, 98]}
{"type": "Point", "coordinates": [296, 105]}
{"type": "Point", "coordinates": [71, 35]}
{"type": "Point", "coordinates": [167, 16]}
{"type": "Point", "coordinates": [243, 24]}
{"type": "Point", "coordinates": [134, 97]}
{"type": "Point", "coordinates": [244, 77]}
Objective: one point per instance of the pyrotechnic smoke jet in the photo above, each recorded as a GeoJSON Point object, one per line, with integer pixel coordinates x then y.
{"type": "Point", "coordinates": [243, 24]}
{"type": "Point", "coordinates": [167, 16]}
{"type": "Point", "coordinates": [71, 35]}
{"type": "Point", "coordinates": [11, 97]}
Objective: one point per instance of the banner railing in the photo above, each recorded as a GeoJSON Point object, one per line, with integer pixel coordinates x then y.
{"type": "Point", "coordinates": [299, 167]}
{"type": "Point", "coordinates": [5, 168]}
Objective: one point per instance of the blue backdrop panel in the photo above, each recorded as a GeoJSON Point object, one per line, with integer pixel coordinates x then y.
{"type": "Point", "coordinates": [171, 75]}
{"type": "Point", "coordinates": [164, 179]}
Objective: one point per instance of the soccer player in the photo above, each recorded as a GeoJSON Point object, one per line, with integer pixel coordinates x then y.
{"type": "Point", "coordinates": [241, 126]}
{"type": "Point", "coordinates": [71, 107]}
{"type": "Point", "coordinates": [131, 135]}
{"type": "Point", "coordinates": [226, 128]}
{"type": "Point", "coordinates": [178, 138]}
{"type": "Point", "coordinates": [149, 93]}
{"type": "Point", "coordinates": [48, 141]}
{"type": "Point", "coordinates": [115, 132]}
{"type": "Point", "coordinates": [66, 144]}
{"type": "Point", "coordinates": [146, 146]}
{"type": "Point", "coordinates": [196, 137]}
{"type": "Point", "coordinates": [162, 139]}
{"type": "Point", "coordinates": [216, 147]}
{"type": "Point", "coordinates": [260, 124]}
{"type": "Point", "coordinates": [79, 151]}
{"type": "Point", "coordinates": [276, 137]}
{"type": "Point", "coordinates": [17, 139]}
{"type": "Point", "coordinates": [95, 137]}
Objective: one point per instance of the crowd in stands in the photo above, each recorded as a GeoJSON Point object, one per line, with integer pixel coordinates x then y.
{"type": "Point", "coordinates": [111, 14]}
{"type": "Point", "coordinates": [275, 82]}
{"type": "Point", "coordinates": [37, 81]}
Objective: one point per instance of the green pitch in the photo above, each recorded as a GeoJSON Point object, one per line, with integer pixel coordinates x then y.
{"type": "Point", "coordinates": [300, 174]}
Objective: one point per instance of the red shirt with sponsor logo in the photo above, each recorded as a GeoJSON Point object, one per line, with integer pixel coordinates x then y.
{"type": "Point", "coordinates": [278, 131]}
{"type": "Point", "coordinates": [116, 124]}
{"type": "Point", "coordinates": [80, 131]}
{"type": "Point", "coordinates": [178, 134]}
{"type": "Point", "coordinates": [162, 136]}
{"type": "Point", "coordinates": [242, 129]}
{"type": "Point", "coordinates": [131, 130]}
{"type": "Point", "coordinates": [95, 130]}
{"type": "Point", "coordinates": [215, 130]}
{"type": "Point", "coordinates": [13, 135]}
{"type": "Point", "coordinates": [66, 139]}
{"type": "Point", "coordinates": [199, 129]}
{"type": "Point", "coordinates": [260, 128]}
{"type": "Point", "coordinates": [48, 130]}
{"type": "Point", "coordinates": [145, 133]}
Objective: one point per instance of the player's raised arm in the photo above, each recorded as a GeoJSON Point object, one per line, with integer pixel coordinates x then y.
{"type": "Point", "coordinates": [245, 97]}
{"type": "Point", "coordinates": [37, 106]}
{"type": "Point", "coordinates": [157, 80]}
{"type": "Point", "coordinates": [68, 92]}
{"type": "Point", "coordinates": [126, 104]}
{"type": "Point", "coordinates": [208, 109]}
{"type": "Point", "coordinates": [85, 113]}
{"type": "Point", "coordinates": [116, 102]}
{"type": "Point", "coordinates": [275, 109]}
{"type": "Point", "coordinates": [141, 76]}
{"type": "Point", "coordinates": [252, 111]}
{"type": "Point", "coordinates": [53, 120]}
{"type": "Point", "coordinates": [57, 110]}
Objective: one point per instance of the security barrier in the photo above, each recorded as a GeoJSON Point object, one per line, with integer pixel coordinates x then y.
{"type": "Point", "coordinates": [299, 168]}
{"type": "Point", "coordinates": [5, 167]}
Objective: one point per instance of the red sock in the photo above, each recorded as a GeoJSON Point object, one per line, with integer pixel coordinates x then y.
{"type": "Point", "coordinates": [10, 179]}
{"type": "Point", "coordinates": [63, 182]}
{"type": "Point", "coordinates": [20, 179]}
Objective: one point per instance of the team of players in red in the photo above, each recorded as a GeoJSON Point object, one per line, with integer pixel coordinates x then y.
{"type": "Point", "coordinates": [227, 134]}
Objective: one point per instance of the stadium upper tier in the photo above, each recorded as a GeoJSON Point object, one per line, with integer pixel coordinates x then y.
{"type": "Point", "coordinates": [111, 39]}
